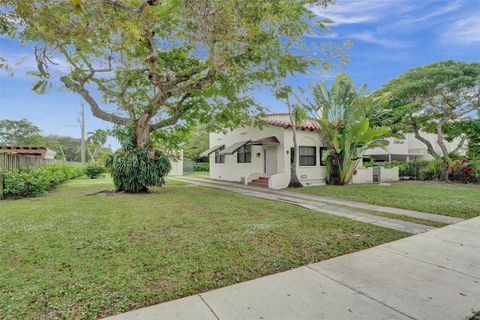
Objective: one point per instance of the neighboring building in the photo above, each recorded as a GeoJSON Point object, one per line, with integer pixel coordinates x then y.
{"type": "Point", "coordinates": [42, 152]}
{"type": "Point", "coordinates": [176, 160]}
{"type": "Point", "coordinates": [411, 148]}
{"type": "Point", "coordinates": [263, 156]}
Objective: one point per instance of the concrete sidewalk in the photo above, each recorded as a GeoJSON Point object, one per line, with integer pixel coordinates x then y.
{"type": "Point", "coordinates": [434, 275]}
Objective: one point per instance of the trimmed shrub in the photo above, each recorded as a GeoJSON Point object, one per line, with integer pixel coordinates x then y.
{"type": "Point", "coordinates": [137, 169]}
{"type": "Point", "coordinates": [94, 171]}
{"type": "Point", "coordinates": [37, 181]}
{"type": "Point", "coordinates": [412, 169]}
{"type": "Point", "coordinates": [201, 167]}
{"type": "Point", "coordinates": [463, 171]}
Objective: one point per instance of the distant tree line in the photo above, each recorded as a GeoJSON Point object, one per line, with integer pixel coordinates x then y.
{"type": "Point", "coordinates": [25, 133]}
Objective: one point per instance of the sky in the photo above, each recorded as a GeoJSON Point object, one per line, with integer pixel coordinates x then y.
{"type": "Point", "coordinates": [389, 37]}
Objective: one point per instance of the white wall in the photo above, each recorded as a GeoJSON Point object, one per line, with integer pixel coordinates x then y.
{"type": "Point", "coordinates": [233, 171]}
{"type": "Point", "coordinates": [313, 175]}
{"type": "Point", "coordinates": [363, 175]}
{"type": "Point", "coordinates": [413, 147]}
{"type": "Point", "coordinates": [389, 174]}
{"type": "Point", "coordinates": [49, 155]}
{"type": "Point", "coordinates": [177, 165]}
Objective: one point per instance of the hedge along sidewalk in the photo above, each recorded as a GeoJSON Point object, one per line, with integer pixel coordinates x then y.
{"type": "Point", "coordinates": [36, 181]}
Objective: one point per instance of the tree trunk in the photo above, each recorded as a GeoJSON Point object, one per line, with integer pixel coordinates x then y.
{"type": "Point", "coordinates": [142, 133]}
{"type": "Point", "coordinates": [335, 171]}
{"type": "Point", "coordinates": [294, 182]}
{"type": "Point", "coordinates": [444, 174]}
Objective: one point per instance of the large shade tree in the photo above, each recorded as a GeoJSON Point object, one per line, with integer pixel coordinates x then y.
{"type": "Point", "coordinates": [348, 125]}
{"type": "Point", "coordinates": [441, 98]}
{"type": "Point", "coordinates": [150, 65]}
{"type": "Point", "coordinates": [19, 133]}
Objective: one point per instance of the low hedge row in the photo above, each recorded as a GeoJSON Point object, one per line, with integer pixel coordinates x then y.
{"type": "Point", "coordinates": [201, 167]}
{"type": "Point", "coordinates": [37, 181]}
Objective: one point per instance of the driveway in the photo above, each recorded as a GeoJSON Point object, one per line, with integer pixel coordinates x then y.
{"type": "Point", "coordinates": [433, 275]}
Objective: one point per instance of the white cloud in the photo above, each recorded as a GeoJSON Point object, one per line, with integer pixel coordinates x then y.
{"type": "Point", "coordinates": [354, 12]}
{"type": "Point", "coordinates": [22, 62]}
{"type": "Point", "coordinates": [465, 30]}
{"type": "Point", "coordinates": [423, 15]}
{"type": "Point", "coordinates": [370, 37]}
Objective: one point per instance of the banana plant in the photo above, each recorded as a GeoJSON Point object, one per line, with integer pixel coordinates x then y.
{"type": "Point", "coordinates": [344, 116]}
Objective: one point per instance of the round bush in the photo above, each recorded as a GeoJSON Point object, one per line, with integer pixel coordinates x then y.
{"type": "Point", "coordinates": [94, 171]}
{"type": "Point", "coordinates": [137, 169]}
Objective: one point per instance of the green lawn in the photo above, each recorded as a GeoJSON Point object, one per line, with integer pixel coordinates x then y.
{"type": "Point", "coordinates": [72, 255]}
{"type": "Point", "coordinates": [446, 199]}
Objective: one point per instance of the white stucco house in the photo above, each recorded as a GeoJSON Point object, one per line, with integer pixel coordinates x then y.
{"type": "Point", "coordinates": [412, 149]}
{"type": "Point", "coordinates": [262, 156]}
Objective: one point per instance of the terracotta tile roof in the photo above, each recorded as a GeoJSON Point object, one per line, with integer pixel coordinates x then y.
{"type": "Point", "coordinates": [283, 120]}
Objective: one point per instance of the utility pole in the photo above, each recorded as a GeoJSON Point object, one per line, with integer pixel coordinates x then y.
{"type": "Point", "coordinates": [81, 122]}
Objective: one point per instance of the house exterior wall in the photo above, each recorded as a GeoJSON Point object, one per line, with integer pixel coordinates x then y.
{"type": "Point", "coordinates": [311, 175]}
{"type": "Point", "coordinates": [245, 172]}
{"type": "Point", "coordinates": [49, 155]}
{"type": "Point", "coordinates": [177, 165]}
{"type": "Point", "coordinates": [411, 148]}
{"type": "Point", "coordinates": [233, 171]}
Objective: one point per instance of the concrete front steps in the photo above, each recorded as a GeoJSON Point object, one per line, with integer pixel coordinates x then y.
{"type": "Point", "coordinates": [260, 182]}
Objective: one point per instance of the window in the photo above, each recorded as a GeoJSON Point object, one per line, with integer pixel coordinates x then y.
{"type": "Point", "coordinates": [308, 156]}
{"type": "Point", "coordinates": [244, 154]}
{"type": "Point", "coordinates": [322, 152]}
{"type": "Point", "coordinates": [219, 158]}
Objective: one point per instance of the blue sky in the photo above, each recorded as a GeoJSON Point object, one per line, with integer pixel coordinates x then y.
{"type": "Point", "coordinates": [389, 37]}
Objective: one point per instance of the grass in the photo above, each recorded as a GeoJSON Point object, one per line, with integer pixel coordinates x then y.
{"type": "Point", "coordinates": [377, 213]}
{"type": "Point", "coordinates": [445, 199]}
{"type": "Point", "coordinates": [72, 255]}
{"type": "Point", "coordinates": [394, 216]}
{"type": "Point", "coordinates": [201, 174]}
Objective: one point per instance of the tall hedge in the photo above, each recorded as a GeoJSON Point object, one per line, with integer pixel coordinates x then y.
{"type": "Point", "coordinates": [37, 181]}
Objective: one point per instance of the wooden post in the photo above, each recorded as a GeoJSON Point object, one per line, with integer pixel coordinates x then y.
{"type": "Point", "coordinates": [1, 185]}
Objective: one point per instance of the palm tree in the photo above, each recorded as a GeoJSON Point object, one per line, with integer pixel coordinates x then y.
{"type": "Point", "coordinates": [344, 118]}
{"type": "Point", "coordinates": [98, 138]}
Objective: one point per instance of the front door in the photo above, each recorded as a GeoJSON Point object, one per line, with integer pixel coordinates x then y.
{"type": "Point", "coordinates": [270, 160]}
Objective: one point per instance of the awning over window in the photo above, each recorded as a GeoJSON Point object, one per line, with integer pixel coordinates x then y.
{"type": "Point", "coordinates": [209, 151]}
{"type": "Point", "coordinates": [265, 141]}
{"type": "Point", "coordinates": [233, 148]}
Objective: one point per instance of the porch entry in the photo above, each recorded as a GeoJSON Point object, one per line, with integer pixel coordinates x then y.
{"type": "Point", "coordinates": [270, 160]}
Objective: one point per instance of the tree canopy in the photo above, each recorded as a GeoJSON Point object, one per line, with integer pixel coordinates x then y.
{"type": "Point", "coordinates": [436, 98]}
{"type": "Point", "coordinates": [19, 133]}
{"type": "Point", "coordinates": [163, 63]}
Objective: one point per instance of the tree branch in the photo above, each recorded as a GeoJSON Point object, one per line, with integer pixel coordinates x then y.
{"type": "Point", "coordinates": [460, 145]}
{"type": "Point", "coordinates": [430, 148]}
{"type": "Point", "coordinates": [96, 110]}
{"type": "Point", "coordinates": [179, 112]}
{"type": "Point", "coordinates": [440, 139]}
